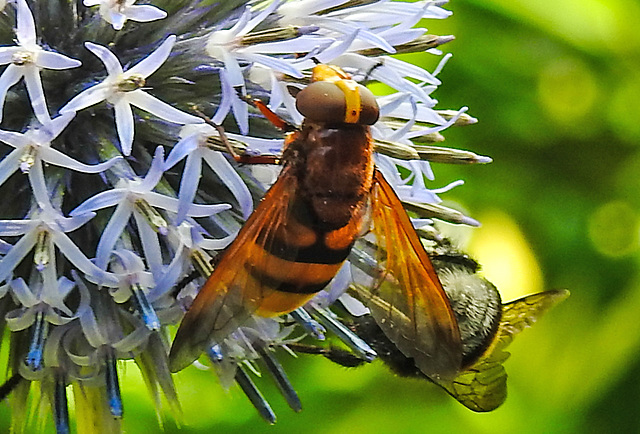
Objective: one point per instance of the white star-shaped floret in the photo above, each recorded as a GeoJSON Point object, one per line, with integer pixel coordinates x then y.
{"type": "Point", "coordinates": [49, 220]}
{"type": "Point", "coordinates": [123, 89]}
{"type": "Point", "coordinates": [33, 149]}
{"type": "Point", "coordinates": [26, 60]}
{"type": "Point", "coordinates": [225, 45]}
{"type": "Point", "coordinates": [194, 147]}
{"type": "Point", "coordinates": [117, 12]}
{"type": "Point", "coordinates": [124, 196]}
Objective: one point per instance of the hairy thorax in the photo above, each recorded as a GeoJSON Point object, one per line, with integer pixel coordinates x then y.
{"type": "Point", "coordinates": [336, 171]}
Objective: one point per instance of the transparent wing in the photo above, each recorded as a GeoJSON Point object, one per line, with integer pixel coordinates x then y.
{"type": "Point", "coordinates": [233, 292]}
{"type": "Point", "coordinates": [408, 301]}
{"type": "Point", "coordinates": [519, 314]}
{"type": "Point", "coordinates": [483, 387]}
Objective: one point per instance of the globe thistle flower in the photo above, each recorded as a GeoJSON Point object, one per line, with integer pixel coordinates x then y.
{"type": "Point", "coordinates": [108, 207]}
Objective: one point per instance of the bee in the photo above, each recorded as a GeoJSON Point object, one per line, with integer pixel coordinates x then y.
{"type": "Point", "coordinates": [486, 325]}
{"type": "Point", "coordinates": [328, 194]}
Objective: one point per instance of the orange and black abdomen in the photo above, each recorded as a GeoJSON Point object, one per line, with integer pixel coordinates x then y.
{"type": "Point", "coordinates": [333, 169]}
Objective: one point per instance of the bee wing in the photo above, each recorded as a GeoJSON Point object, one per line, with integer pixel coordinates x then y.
{"type": "Point", "coordinates": [519, 314]}
{"type": "Point", "coordinates": [231, 294]}
{"type": "Point", "coordinates": [408, 302]}
{"type": "Point", "coordinates": [483, 387]}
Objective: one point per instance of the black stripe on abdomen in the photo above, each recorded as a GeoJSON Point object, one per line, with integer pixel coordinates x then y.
{"type": "Point", "coordinates": [285, 286]}
{"type": "Point", "coordinates": [317, 253]}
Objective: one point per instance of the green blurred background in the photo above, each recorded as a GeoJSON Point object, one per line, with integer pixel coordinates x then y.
{"type": "Point", "coordinates": [555, 85]}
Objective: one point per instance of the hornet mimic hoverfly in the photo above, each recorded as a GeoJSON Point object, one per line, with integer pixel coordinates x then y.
{"type": "Point", "coordinates": [328, 194]}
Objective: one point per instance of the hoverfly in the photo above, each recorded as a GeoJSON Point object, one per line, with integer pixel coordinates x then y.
{"type": "Point", "coordinates": [486, 325]}
{"type": "Point", "coordinates": [328, 194]}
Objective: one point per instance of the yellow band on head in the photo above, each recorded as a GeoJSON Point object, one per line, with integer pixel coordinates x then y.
{"type": "Point", "coordinates": [329, 73]}
{"type": "Point", "coordinates": [334, 74]}
{"type": "Point", "coordinates": [353, 105]}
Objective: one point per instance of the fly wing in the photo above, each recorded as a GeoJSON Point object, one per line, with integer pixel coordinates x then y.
{"type": "Point", "coordinates": [408, 301]}
{"type": "Point", "coordinates": [483, 387]}
{"type": "Point", "coordinates": [233, 293]}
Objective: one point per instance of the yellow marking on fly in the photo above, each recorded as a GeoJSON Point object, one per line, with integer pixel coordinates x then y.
{"type": "Point", "coordinates": [353, 104]}
{"type": "Point", "coordinates": [333, 74]}
{"type": "Point", "coordinates": [328, 73]}
{"type": "Point", "coordinates": [278, 303]}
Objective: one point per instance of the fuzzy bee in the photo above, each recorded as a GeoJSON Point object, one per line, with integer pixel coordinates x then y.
{"type": "Point", "coordinates": [486, 326]}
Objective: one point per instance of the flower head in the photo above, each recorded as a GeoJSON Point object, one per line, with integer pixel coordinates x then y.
{"type": "Point", "coordinates": [119, 196]}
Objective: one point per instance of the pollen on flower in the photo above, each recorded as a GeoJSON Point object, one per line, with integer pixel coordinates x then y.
{"type": "Point", "coordinates": [131, 83]}
{"type": "Point", "coordinates": [21, 58]}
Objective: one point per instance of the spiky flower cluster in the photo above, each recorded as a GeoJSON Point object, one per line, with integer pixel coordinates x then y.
{"type": "Point", "coordinates": [114, 189]}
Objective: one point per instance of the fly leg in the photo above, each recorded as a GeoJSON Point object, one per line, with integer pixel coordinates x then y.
{"type": "Point", "coordinates": [269, 114]}
{"type": "Point", "coordinates": [240, 158]}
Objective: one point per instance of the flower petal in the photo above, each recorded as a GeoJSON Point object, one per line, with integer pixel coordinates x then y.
{"type": "Point", "coordinates": [17, 253]}
{"type": "Point", "coordinates": [124, 125]}
{"type": "Point", "coordinates": [57, 158]}
{"type": "Point", "coordinates": [145, 13]}
{"type": "Point", "coordinates": [188, 185]}
{"type": "Point", "coordinates": [101, 200]}
{"type": "Point", "coordinates": [217, 243]}
{"type": "Point", "coordinates": [21, 291]}
{"type": "Point", "coordinates": [91, 329]}
{"type": "Point", "coordinates": [181, 150]}
{"type": "Point", "coordinates": [11, 75]}
{"type": "Point", "coordinates": [57, 125]}
{"type": "Point", "coordinates": [194, 210]}
{"type": "Point", "coordinates": [150, 244]}
{"type": "Point", "coordinates": [87, 98]}
{"type": "Point", "coordinates": [116, 19]}
{"type": "Point", "coordinates": [15, 228]}
{"type": "Point", "coordinates": [39, 185]}
{"type": "Point", "coordinates": [7, 53]}
{"type": "Point", "coordinates": [111, 233]}
{"type": "Point", "coordinates": [80, 261]}
{"type": "Point", "coordinates": [160, 108]}
{"type": "Point", "coordinates": [232, 180]}
{"type": "Point", "coordinates": [20, 319]}
{"type": "Point", "coordinates": [281, 65]}
{"type": "Point", "coordinates": [36, 94]}
{"type": "Point", "coordinates": [9, 164]}
{"type": "Point", "coordinates": [133, 340]}
{"type": "Point", "coordinates": [26, 28]}
{"type": "Point", "coordinates": [109, 59]}
{"type": "Point", "coordinates": [153, 61]}
{"type": "Point", "coordinates": [154, 174]}
{"type": "Point", "coordinates": [57, 61]}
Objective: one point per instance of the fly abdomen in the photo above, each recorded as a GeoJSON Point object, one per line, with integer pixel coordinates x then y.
{"type": "Point", "coordinates": [295, 266]}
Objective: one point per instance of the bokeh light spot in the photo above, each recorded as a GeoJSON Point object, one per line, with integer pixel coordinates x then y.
{"type": "Point", "coordinates": [614, 229]}
{"type": "Point", "coordinates": [623, 108]}
{"type": "Point", "coordinates": [567, 91]}
{"type": "Point", "coordinates": [506, 257]}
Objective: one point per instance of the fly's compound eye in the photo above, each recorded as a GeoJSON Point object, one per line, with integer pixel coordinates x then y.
{"type": "Point", "coordinates": [323, 101]}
